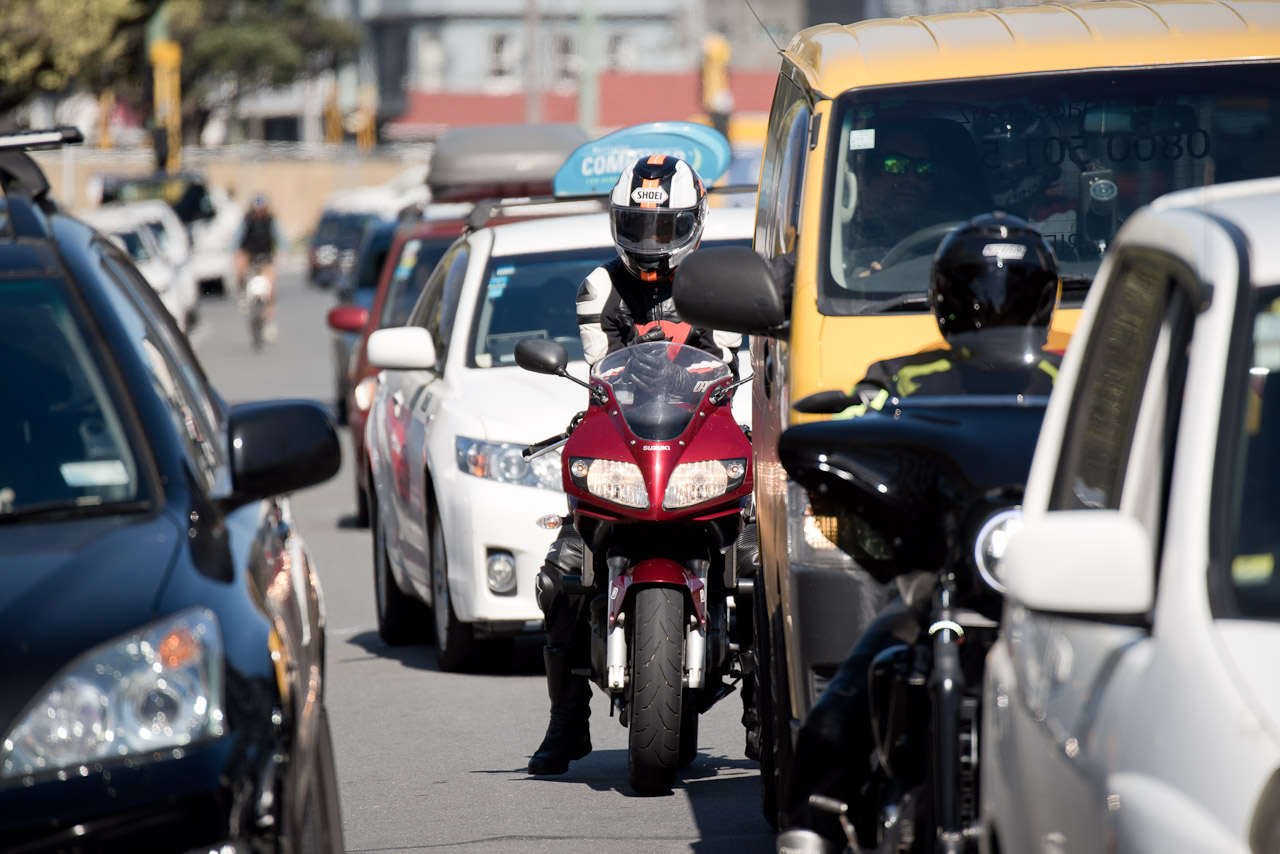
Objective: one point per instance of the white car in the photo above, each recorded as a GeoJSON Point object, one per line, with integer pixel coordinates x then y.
{"type": "Point", "coordinates": [454, 507]}
{"type": "Point", "coordinates": [1132, 701]}
{"type": "Point", "coordinates": [130, 226]}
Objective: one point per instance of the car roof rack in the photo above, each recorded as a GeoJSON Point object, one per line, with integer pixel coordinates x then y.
{"type": "Point", "coordinates": [486, 209]}
{"type": "Point", "coordinates": [22, 178]}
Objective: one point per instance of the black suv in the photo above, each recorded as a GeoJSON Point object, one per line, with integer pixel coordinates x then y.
{"type": "Point", "coordinates": [161, 634]}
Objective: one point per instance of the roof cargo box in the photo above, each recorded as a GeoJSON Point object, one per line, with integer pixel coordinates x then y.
{"type": "Point", "coordinates": [487, 161]}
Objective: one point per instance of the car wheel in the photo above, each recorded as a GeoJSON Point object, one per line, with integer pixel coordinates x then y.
{"type": "Point", "coordinates": [762, 650]}
{"type": "Point", "coordinates": [362, 505]}
{"type": "Point", "coordinates": [455, 639]}
{"type": "Point", "coordinates": [400, 616]}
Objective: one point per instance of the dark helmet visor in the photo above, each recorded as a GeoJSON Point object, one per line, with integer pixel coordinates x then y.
{"type": "Point", "coordinates": [653, 230]}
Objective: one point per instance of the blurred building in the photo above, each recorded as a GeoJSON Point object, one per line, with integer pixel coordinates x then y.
{"type": "Point", "coordinates": [605, 63]}
{"type": "Point", "coordinates": [431, 64]}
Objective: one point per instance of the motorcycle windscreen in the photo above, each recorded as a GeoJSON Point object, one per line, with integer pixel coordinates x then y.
{"type": "Point", "coordinates": [659, 385]}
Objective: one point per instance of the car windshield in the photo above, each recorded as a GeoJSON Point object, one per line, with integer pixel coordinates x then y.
{"type": "Point", "coordinates": [343, 230]}
{"type": "Point", "coordinates": [417, 259]}
{"type": "Point", "coordinates": [65, 450]}
{"type": "Point", "coordinates": [132, 243]}
{"type": "Point", "coordinates": [1073, 154]}
{"type": "Point", "coordinates": [374, 247]}
{"type": "Point", "coordinates": [662, 410]}
{"type": "Point", "coordinates": [1255, 525]}
{"type": "Point", "coordinates": [531, 296]}
{"type": "Point", "coordinates": [188, 196]}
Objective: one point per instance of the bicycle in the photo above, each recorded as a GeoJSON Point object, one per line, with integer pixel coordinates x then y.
{"type": "Point", "coordinates": [258, 291]}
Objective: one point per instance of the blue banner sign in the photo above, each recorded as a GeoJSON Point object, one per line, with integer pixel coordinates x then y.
{"type": "Point", "coordinates": [594, 166]}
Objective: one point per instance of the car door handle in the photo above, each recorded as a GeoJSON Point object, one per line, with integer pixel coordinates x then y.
{"type": "Point", "coordinates": [398, 398]}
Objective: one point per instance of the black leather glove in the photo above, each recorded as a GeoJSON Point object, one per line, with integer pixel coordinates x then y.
{"type": "Point", "coordinates": [653, 372]}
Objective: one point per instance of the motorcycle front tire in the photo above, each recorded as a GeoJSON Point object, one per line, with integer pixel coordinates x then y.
{"type": "Point", "coordinates": [657, 677]}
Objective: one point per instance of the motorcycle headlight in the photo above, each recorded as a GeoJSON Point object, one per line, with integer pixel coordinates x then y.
{"type": "Point", "coordinates": [694, 483]}
{"type": "Point", "coordinates": [992, 541]}
{"type": "Point", "coordinates": [619, 482]}
{"type": "Point", "coordinates": [504, 463]}
{"type": "Point", "coordinates": [811, 539]}
{"type": "Point", "coordinates": [155, 689]}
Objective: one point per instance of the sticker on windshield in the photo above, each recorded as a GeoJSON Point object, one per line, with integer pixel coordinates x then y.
{"type": "Point", "coordinates": [1266, 339]}
{"type": "Point", "coordinates": [861, 140]}
{"type": "Point", "coordinates": [95, 473]}
{"type": "Point", "coordinates": [1252, 570]}
{"type": "Point", "coordinates": [408, 259]}
{"type": "Point", "coordinates": [504, 271]}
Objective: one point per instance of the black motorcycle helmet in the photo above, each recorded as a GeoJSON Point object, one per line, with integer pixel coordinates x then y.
{"type": "Point", "coordinates": [995, 270]}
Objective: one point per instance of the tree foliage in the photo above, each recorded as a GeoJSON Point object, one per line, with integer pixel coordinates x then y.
{"type": "Point", "coordinates": [46, 45]}
{"type": "Point", "coordinates": [235, 46]}
{"type": "Point", "coordinates": [229, 47]}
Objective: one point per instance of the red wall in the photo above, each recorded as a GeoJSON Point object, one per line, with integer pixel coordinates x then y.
{"type": "Point", "coordinates": [624, 99]}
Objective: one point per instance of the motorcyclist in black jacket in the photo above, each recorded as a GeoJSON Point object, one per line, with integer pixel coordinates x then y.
{"type": "Point", "coordinates": [993, 288]}
{"type": "Point", "coordinates": [657, 211]}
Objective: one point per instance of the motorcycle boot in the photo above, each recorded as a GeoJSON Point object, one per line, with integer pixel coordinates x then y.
{"type": "Point", "coordinates": [568, 734]}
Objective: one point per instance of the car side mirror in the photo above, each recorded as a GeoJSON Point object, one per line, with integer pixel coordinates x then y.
{"type": "Point", "coordinates": [402, 348]}
{"type": "Point", "coordinates": [542, 356]}
{"type": "Point", "coordinates": [1091, 563]}
{"type": "Point", "coordinates": [729, 288]}
{"type": "Point", "coordinates": [279, 446]}
{"type": "Point", "coordinates": [348, 318]}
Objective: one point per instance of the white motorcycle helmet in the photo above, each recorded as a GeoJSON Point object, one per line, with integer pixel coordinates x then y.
{"type": "Point", "coordinates": [656, 211]}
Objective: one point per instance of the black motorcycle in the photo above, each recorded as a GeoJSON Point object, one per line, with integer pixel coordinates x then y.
{"type": "Point", "coordinates": [924, 492]}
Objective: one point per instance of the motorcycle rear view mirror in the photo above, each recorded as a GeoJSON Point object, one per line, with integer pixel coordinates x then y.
{"type": "Point", "coordinates": [544, 356]}
{"type": "Point", "coordinates": [825, 403]}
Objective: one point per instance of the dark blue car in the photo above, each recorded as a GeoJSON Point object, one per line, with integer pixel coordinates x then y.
{"type": "Point", "coordinates": [161, 632]}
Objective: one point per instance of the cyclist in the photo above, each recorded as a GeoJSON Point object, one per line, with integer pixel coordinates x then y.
{"type": "Point", "coordinates": [256, 242]}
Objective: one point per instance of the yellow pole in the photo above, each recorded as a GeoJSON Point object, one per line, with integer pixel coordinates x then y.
{"type": "Point", "coordinates": [166, 62]}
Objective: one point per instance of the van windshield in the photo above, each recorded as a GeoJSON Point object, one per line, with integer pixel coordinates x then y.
{"type": "Point", "coordinates": [1074, 154]}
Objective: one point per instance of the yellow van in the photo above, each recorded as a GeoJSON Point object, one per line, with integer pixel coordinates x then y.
{"type": "Point", "coordinates": [886, 133]}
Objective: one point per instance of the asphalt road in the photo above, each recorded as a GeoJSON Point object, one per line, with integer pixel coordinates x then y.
{"type": "Point", "coordinates": [431, 760]}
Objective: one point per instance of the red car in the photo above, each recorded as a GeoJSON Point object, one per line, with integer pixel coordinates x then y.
{"type": "Point", "coordinates": [413, 255]}
{"type": "Point", "coordinates": [415, 250]}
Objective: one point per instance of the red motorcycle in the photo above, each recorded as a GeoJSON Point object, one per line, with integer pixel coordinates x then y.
{"type": "Point", "coordinates": [657, 473]}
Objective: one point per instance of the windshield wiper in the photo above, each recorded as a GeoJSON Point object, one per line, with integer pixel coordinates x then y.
{"type": "Point", "coordinates": [53, 510]}
{"type": "Point", "coordinates": [902, 302]}
{"type": "Point", "coordinates": [1075, 284]}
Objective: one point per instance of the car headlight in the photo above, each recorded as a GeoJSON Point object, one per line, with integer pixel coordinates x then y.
{"type": "Point", "coordinates": [157, 688]}
{"type": "Point", "coordinates": [504, 463]}
{"type": "Point", "coordinates": [992, 541]}
{"type": "Point", "coordinates": [326, 254]}
{"type": "Point", "coordinates": [694, 483]}
{"type": "Point", "coordinates": [364, 392]}
{"type": "Point", "coordinates": [619, 482]}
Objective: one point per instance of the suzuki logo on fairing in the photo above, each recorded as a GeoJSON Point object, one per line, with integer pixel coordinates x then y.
{"type": "Point", "coordinates": [655, 447]}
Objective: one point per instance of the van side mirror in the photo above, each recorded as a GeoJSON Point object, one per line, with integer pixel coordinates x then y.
{"type": "Point", "coordinates": [730, 288]}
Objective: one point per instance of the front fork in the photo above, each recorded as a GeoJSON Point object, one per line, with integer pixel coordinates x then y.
{"type": "Point", "coordinates": [947, 685]}
{"type": "Point", "coordinates": [622, 575]}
